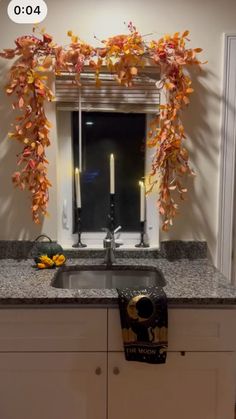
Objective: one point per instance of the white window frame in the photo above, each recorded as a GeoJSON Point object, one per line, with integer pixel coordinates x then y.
{"type": "Point", "coordinates": [94, 240]}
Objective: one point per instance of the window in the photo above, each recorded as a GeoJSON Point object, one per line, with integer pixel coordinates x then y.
{"type": "Point", "coordinates": [115, 120]}
{"type": "Point", "coordinates": [104, 133]}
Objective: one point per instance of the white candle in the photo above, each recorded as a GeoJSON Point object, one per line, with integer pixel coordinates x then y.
{"type": "Point", "coordinates": [77, 188]}
{"type": "Point", "coordinates": [142, 201]}
{"type": "Point", "coordinates": [112, 174]}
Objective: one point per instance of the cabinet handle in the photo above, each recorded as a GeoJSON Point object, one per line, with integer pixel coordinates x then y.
{"type": "Point", "coordinates": [98, 371]}
{"type": "Point", "coordinates": [116, 371]}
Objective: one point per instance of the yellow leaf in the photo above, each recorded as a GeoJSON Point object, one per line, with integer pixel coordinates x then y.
{"type": "Point", "coordinates": [40, 68]}
{"type": "Point", "coordinates": [133, 71]}
{"type": "Point", "coordinates": [70, 33]}
{"type": "Point", "coordinates": [74, 39]}
{"type": "Point", "coordinates": [169, 86]}
{"type": "Point", "coordinates": [30, 79]}
{"type": "Point", "coordinates": [176, 35]}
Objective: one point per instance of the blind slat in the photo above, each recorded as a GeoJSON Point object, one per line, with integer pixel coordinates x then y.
{"type": "Point", "coordinates": [143, 96]}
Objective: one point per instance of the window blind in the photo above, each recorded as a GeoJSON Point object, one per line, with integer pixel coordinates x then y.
{"type": "Point", "coordinates": [142, 97]}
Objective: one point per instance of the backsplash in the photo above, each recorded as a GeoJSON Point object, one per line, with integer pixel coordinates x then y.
{"type": "Point", "coordinates": [171, 250]}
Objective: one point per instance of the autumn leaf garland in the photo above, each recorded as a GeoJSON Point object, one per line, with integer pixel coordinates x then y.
{"type": "Point", "coordinates": [29, 87]}
{"type": "Point", "coordinates": [167, 134]}
{"type": "Point", "coordinates": [124, 56]}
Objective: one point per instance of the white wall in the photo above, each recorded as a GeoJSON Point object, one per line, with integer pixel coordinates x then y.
{"type": "Point", "coordinates": [207, 21]}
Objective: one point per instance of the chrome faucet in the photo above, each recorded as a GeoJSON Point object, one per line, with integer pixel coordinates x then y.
{"type": "Point", "coordinates": [109, 245]}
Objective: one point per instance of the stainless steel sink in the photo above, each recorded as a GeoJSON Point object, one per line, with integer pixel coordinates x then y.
{"type": "Point", "coordinates": [98, 277]}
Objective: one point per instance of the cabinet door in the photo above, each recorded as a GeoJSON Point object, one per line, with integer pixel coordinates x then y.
{"type": "Point", "coordinates": [196, 386]}
{"type": "Point", "coordinates": [53, 386]}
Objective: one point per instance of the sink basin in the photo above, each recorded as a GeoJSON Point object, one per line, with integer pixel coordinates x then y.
{"type": "Point", "coordinates": [98, 277]}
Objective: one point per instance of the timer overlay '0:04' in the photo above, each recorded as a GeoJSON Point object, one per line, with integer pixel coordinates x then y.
{"type": "Point", "coordinates": [27, 11]}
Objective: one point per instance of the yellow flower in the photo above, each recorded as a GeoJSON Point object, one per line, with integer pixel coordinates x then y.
{"type": "Point", "coordinates": [59, 260]}
{"type": "Point", "coordinates": [44, 259]}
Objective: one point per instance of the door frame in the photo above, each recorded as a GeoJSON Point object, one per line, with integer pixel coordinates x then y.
{"type": "Point", "coordinates": [225, 240]}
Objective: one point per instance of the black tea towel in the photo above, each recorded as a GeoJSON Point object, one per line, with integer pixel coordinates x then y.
{"type": "Point", "coordinates": [144, 323]}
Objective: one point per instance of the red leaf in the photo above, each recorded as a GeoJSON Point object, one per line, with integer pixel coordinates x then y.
{"type": "Point", "coordinates": [32, 163]}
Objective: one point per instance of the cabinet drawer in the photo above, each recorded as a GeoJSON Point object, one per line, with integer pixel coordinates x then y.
{"type": "Point", "coordinates": [189, 329]}
{"type": "Point", "coordinates": [53, 329]}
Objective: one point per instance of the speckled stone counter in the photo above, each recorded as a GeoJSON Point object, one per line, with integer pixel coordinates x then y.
{"type": "Point", "coordinates": [188, 283]}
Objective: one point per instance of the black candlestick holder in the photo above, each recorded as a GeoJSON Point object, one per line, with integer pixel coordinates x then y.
{"type": "Point", "coordinates": [111, 215]}
{"type": "Point", "coordinates": [79, 244]}
{"type": "Point", "coordinates": [142, 234]}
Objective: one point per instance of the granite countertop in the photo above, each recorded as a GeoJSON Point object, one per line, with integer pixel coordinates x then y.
{"type": "Point", "coordinates": [188, 283]}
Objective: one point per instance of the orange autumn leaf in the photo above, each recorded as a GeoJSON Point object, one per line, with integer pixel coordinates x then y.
{"type": "Point", "coordinates": [40, 150]}
{"type": "Point", "coordinates": [21, 102]}
{"type": "Point", "coordinates": [47, 62]}
{"type": "Point", "coordinates": [28, 125]}
{"type": "Point", "coordinates": [185, 34]}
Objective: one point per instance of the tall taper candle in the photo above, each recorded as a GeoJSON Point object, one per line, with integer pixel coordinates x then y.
{"type": "Point", "coordinates": [77, 188]}
{"type": "Point", "coordinates": [112, 174]}
{"type": "Point", "coordinates": [142, 201]}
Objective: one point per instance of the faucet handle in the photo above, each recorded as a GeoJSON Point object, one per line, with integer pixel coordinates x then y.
{"type": "Point", "coordinates": [108, 231]}
{"type": "Point", "coordinates": [117, 240]}
{"type": "Point", "coordinates": [117, 229]}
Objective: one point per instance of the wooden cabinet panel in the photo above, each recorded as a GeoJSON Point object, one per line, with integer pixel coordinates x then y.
{"type": "Point", "coordinates": [53, 330]}
{"type": "Point", "coordinates": [52, 386]}
{"type": "Point", "coordinates": [189, 329]}
{"type": "Point", "coordinates": [196, 386]}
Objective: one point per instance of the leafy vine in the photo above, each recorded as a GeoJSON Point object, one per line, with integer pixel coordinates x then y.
{"type": "Point", "coordinates": [124, 56]}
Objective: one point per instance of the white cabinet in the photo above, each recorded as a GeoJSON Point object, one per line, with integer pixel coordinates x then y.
{"type": "Point", "coordinates": [69, 364]}
{"type": "Point", "coordinates": [189, 330]}
{"type": "Point", "coordinates": [193, 386]}
{"type": "Point", "coordinates": [53, 363]}
{"type": "Point", "coordinates": [53, 386]}
{"type": "Point", "coordinates": [199, 384]}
